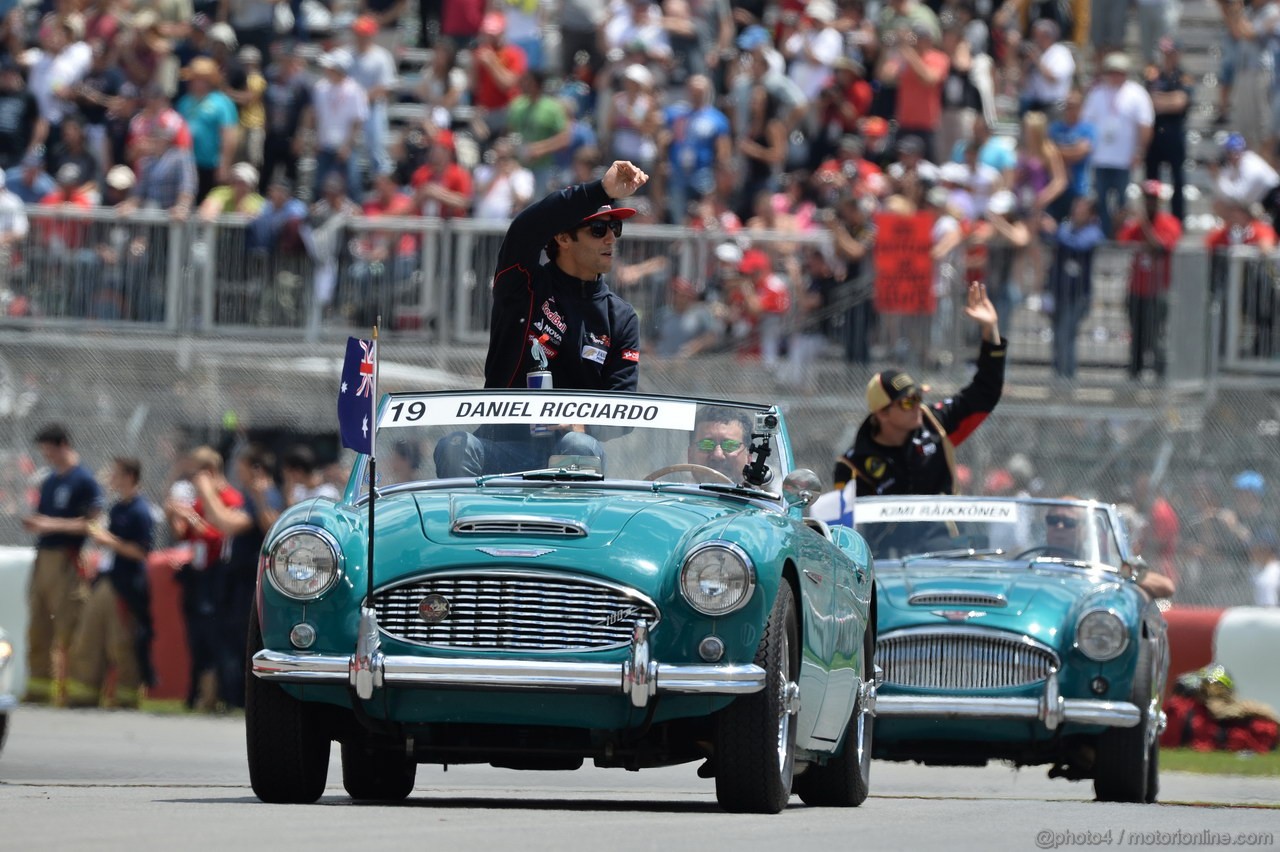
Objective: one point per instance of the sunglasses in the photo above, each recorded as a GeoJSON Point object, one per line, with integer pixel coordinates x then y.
{"type": "Point", "coordinates": [599, 227]}
{"type": "Point", "coordinates": [728, 445]}
{"type": "Point", "coordinates": [1064, 521]}
{"type": "Point", "coordinates": [907, 403]}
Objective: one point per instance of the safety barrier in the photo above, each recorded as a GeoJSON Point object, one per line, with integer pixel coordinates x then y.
{"type": "Point", "coordinates": [1244, 639]}
{"type": "Point", "coordinates": [169, 646]}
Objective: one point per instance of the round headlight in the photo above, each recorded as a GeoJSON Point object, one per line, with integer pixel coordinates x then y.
{"type": "Point", "coordinates": [304, 564]}
{"type": "Point", "coordinates": [717, 578]}
{"type": "Point", "coordinates": [1101, 635]}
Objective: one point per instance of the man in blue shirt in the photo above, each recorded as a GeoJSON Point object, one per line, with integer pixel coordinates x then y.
{"type": "Point", "coordinates": [697, 139]}
{"type": "Point", "coordinates": [69, 499]}
{"type": "Point", "coordinates": [115, 628]}
{"type": "Point", "coordinates": [1075, 139]}
{"type": "Point", "coordinates": [214, 123]}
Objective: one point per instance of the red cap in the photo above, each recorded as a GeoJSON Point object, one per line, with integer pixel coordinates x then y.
{"type": "Point", "coordinates": [365, 25]}
{"type": "Point", "coordinates": [753, 261]}
{"type": "Point", "coordinates": [1152, 187]}
{"type": "Point", "coordinates": [875, 127]}
{"type": "Point", "coordinates": [493, 23]}
{"type": "Point", "coordinates": [610, 212]}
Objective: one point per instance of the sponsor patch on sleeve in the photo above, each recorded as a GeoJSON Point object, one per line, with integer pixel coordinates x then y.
{"type": "Point", "coordinates": [631, 355]}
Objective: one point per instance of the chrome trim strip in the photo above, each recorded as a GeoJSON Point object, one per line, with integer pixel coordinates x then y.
{"type": "Point", "coordinates": [1083, 711]}
{"type": "Point", "coordinates": [517, 525]}
{"type": "Point", "coordinates": [7, 702]}
{"type": "Point", "coordinates": [510, 674]}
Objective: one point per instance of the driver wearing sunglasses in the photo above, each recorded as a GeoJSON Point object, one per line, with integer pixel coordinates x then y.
{"type": "Point", "coordinates": [720, 441]}
{"type": "Point", "coordinates": [1063, 526]}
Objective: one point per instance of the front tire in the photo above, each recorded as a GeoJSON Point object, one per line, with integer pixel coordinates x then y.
{"type": "Point", "coordinates": [1126, 768]}
{"type": "Point", "coordinates": [844, 781]}
{"type": "Point", "coordinates": [375, 774]}
{"type": "Point", "coordinates": [755, 745]}
{"type": "Point", "coordinates": [288, 749]}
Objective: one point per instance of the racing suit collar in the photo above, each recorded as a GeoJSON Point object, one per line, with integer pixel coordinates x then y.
{"type": "Point", "coordinates": [566, 284]}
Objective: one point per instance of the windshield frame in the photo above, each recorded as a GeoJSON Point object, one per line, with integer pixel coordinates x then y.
{"type": "Point", "coordinates": [1103, 519]}
{"type": "Point", "coordinates": [780, 457]}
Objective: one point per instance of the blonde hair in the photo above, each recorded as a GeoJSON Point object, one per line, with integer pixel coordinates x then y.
{"type": "Point", "coordinates": [207, 458]}
{"type": "Point", "coordinates": [1035, 134]}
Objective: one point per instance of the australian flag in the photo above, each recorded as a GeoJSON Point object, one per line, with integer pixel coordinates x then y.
{"type": "Point", "coordinates": [357, 395]}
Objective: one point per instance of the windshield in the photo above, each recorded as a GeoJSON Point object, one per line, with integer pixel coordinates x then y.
{"type": "Point", "coordinates": [569, 435]}
{"type": "Point", "coordinates": [950, 528]}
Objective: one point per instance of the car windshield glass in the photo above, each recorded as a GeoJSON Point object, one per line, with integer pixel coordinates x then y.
{"type": "Point", "coordinates": [537, 435]}
{"type": "Point", "coordinates": [944, 528]}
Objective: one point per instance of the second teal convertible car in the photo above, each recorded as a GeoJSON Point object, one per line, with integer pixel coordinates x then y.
{"type": "Point", "coordinates": [1015, 629]}
{"type": "Point", "coordinates": [560, 577]}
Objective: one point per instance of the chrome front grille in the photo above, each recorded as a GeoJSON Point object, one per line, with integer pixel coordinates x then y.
{"type": "Point", "coordinates": [517, 526]}
{"type": "Point", "coordinates": [963, 658]}
{"type": "Point", "coordinates": [515, 611]}
{"type": "Point", "coordinates": [956, 599]}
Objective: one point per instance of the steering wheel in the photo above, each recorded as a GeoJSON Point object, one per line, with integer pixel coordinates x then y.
{"type": "Point", "coordinates": [701, 473]}
{"type": "Point", "coordinates": [1047, 550]}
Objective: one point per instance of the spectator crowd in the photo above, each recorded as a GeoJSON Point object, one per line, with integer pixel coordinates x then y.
{"type": "Point", "coordinates": [1014, 131]}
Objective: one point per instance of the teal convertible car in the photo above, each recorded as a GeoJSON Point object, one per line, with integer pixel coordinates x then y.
{"type": "Point", "coordinates": [559, 577]}
{"type": "Point", "coordinates": [1015, 629]}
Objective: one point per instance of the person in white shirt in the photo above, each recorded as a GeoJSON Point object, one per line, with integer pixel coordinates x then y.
{"type": "Point", "coordinates": [13, 229]}
{"type": "Point", "coordinates": [374, 68]}
{"type": "Point", "coordinates": [1242, 176]}
{"type": "Point", "coordinates": [54, 69]}
{"type": "Point", "coordinates": [1049, 69]}
{"type": "Point", "coordinates": [339, 108]}
{"type": "Point", "coordinates": [502, 187]}
{"type": "Point", "coordinates": [813, 48]}
{"type": "Point", "coordinates": [1124, 116]}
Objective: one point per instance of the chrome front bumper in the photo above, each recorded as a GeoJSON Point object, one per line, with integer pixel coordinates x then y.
{"type": "Point", "coordinates": [639, 677]}
{"type": "Point", "coordinates": [1050, 708]}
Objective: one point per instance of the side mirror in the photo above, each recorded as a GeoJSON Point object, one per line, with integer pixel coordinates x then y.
{"type": "Point", "coordinates": [1137, 568]}
{"type": "Point", "coordinates": [801, 487]}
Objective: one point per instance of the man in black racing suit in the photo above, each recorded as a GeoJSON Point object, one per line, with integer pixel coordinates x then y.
{"type": "Point", "coordinates": [907, 447]}
{"type": "Point", "coordinates": [560, 317]}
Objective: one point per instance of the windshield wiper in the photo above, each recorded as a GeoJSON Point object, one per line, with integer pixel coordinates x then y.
{"type": "Point", "coordinates": [957, 553]}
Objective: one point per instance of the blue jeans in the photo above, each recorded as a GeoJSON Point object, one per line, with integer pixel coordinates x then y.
{"type": "Point", "coordinates": [1106, 182]}
{"type": "Point", "coordinates": [326, 162]}
{"type": "Point", "coordinates": [375, 138]}
{"type": "Point", "coordinates": [463, 454]}
{"type": "Point", "coordinates": [1067, 316]}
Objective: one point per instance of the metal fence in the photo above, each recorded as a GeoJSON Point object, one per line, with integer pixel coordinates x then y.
{"type": "Point", "coordinates": [430, 281]}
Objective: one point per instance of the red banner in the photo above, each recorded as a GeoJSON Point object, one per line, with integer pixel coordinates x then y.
{"type": "Point", "coordinates": [904, 268]}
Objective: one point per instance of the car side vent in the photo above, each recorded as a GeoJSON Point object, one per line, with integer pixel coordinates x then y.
{"type": "Point", "coordinates": [518, 526]}
{"type": "Point", "coordinates": [956, 599]}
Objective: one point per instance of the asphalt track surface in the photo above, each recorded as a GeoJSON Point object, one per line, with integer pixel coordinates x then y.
{"type": "Point", "coordinates": [105, 781]}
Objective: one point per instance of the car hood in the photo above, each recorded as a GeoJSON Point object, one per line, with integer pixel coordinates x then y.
{"type": "Point", "coordinates": [920, 594]}
{"type": "Point", "coordinates": [580, 518]}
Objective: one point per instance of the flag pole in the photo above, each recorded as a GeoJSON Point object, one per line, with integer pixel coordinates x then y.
{"type": "Point", "coordinates": [373, 456]}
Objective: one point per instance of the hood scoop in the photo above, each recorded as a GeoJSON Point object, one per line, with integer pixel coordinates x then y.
{"type": "Point", "coordinates": [514, 525]}
{"type": "Point", "coordinates": [957, 598]}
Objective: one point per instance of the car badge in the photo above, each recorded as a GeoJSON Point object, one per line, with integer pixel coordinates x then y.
{"type": "Point", "coordinates": [621, 615]}
{"type": "Point", "coordinates": [524, 552]}
{"type": "Point", "coordinates": [433, 609]}
{"type": "Point", "coordinates": [958, 614]}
